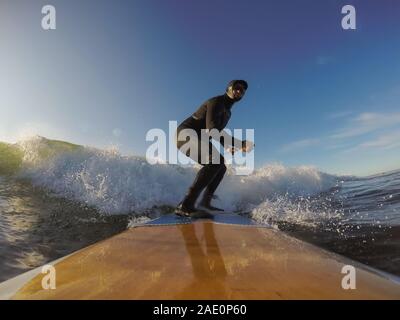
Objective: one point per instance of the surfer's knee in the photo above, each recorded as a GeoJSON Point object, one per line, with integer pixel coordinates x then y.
{"type": "Point", "coordinates": [213, 167]}
{"type": "Point", "coordinates": [221, 167]}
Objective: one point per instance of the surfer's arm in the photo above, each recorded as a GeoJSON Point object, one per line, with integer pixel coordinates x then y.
{"type": "Point", "coordinates": [224, 138]}
{"type": "Point", "coordinates": [228, 140]}
{"type": "Point", "coordinates": [239, 145]}
{"type": "Point", "coordinates": [212, 115]}
{"type": "Point", "coordinates": [213, 126]}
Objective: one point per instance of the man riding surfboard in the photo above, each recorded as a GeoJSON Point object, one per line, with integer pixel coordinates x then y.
{"type": "Point", "coordinates": [213, 114]}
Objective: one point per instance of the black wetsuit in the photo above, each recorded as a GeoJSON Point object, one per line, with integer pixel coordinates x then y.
{"type": "Point", "coordinates": [212, 114]}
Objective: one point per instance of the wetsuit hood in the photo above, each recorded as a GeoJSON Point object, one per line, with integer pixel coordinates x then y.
{"type": "Point", "coordinates": [231, 84]}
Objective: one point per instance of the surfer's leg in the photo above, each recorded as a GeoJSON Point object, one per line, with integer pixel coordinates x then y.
{"type": "Point", "coordinates": [214, 179]}
{"type": "Point", "coordinates": [213, 185]}
{"type": "Point", "coordinates": [207, 152]}
{"type": "Point", "coordinates": [212, 172]}
{"type": "Point", "coordinates": [193, 149]}
{"type": "Point", "coordinates": [203, 178]}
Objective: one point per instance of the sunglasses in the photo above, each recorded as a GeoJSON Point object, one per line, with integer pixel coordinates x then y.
{"type": "Point", "coordinates": [241, 89]}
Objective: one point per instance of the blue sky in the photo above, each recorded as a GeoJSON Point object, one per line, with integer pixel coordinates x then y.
{"type": "Point", "coordinates": [318, 95]}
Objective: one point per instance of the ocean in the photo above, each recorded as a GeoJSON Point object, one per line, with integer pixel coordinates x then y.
{"type": "Point", "coordinates": [57, 197]}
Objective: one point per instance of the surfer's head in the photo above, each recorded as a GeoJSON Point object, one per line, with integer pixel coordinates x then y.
{"type": "Point", "coordinates": [236, 89]}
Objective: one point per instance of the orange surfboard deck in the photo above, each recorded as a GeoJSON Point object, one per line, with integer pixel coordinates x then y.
{"type": "Point", "coordinates": [204, 259]}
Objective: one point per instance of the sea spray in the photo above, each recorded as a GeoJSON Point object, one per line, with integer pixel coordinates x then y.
{"type": "Point", "coordinates": [114, 183]}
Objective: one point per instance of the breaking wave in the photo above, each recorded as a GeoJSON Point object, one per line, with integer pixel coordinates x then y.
{"type": "Point", "coordinates": [115, 183]}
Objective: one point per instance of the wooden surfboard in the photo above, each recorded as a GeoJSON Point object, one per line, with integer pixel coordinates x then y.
{"type": "Point", "coordinates": [228, 257]}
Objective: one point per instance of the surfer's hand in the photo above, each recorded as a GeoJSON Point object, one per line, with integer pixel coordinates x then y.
{"type": "Point", "coordinates": [232, 150]}
{"type": "Point", "coordinates": [247, 146]}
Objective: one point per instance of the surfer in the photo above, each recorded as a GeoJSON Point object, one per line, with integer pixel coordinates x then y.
{"type": "Point", "coordinates": [212, 114]}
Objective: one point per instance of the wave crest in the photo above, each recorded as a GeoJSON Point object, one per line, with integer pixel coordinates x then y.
{"type": "Point", "coordinates": [114, 183]}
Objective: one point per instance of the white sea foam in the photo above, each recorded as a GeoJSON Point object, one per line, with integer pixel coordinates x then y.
{"type": "Point", "coordinates": [114, 183]}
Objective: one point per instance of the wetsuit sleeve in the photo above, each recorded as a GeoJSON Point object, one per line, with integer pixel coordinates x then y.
{"type": "Point", "coordinates": [213, 122]}
{"type": "Point", "coordinates": [230, 141]}
{"type": "Point", "coordinates": [212, 115]}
